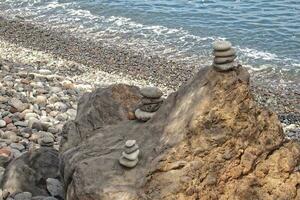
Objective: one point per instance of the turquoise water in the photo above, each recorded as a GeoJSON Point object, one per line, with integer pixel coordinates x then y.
{"type": "Point", "coordinates": [266, 33]}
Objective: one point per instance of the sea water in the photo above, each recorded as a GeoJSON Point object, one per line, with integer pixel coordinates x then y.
{"type": "Point", "coordinates": [265, 33]}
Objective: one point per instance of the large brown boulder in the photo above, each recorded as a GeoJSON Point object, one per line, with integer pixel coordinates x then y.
{"type": "Point", "coordinates": [209, 140]}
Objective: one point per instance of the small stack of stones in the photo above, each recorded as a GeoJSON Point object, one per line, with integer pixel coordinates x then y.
{"type": "Point", "coordinates": [150, 103]}
{"type": "Point", "coordinates": [224, 56]}
{"type": "Point", "coordinates": [129, 157]}
{"type": "Point", "coordinates": [46, 142]}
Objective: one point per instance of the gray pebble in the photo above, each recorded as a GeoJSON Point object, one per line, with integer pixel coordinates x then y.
{"type": "Point", "coordinates": [151, 92]}
{"type": "Point", "coordinates": [55, 187]}
{"type": "Point", "coordinates": [23, 196]}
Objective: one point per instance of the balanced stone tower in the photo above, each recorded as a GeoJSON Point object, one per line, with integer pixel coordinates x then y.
{"type": "Point", "coordinates": [129, 157]}
{"type": "Point", "coordinates": [46, 141]}
{"type": "Point", "coordinates": [150, 103]}
{"type": "Point", "coordinates": [224, 56]}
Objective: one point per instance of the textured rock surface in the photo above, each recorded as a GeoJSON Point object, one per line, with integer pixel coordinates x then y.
{"type": "Point", "coordinates": [95, 110]}
{"type": "Point", "coordinates": [209, 140]}
{"type": "Point", "coordinates": [30, 171]}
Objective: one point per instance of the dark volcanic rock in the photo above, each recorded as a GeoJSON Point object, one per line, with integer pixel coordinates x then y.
{"type": "Point", "coordinates": [209, 140]}
{"type": "Point", "coordinates": [30, 171]}
{"type": "Point", "coordinates": [106, 106]}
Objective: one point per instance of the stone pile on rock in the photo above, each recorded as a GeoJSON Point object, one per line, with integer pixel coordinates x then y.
{"type": "Point", "coordinates": [130, 155]}
{"type": "Point", "coordinates": [150, 103]}
{"type": "Point", "coordinates": [224, 56]}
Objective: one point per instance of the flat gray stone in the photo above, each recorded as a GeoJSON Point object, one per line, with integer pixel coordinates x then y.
{"type": "Point", "coordinates": [132, 156]}
{"type": "Point", "coordinates": [226, 53]}
{"type": "Point", "coordinates": [221, 45]}
{"type": "Point", "coordinates": [225, 67]}
{"type": "Point", "coordinates": [23, 196]}
{"type": "Point", "coordinates": [17, 146]}
{"type": "Point", "coordinates": [146, 101]}
{"type": "Point", "coordinates": [21, 123]}
{"type": "Point", "coordinates": [55, 187]}
{"type": "Point", "coordinates": [223, 60]}
{"type": "Point", "coordinates": [151, 92]}
{"type": "Point", "coordinates": [150, 107]}
{"type": "Point", "coordinates": [39, 198]}
{"type": "Point", "coordinates": [143, 116]}
{"type": "Point", "coordinates": [131, 149]}
{"type": "Point", "coordinates": [128, 163]}
{"type": "Point", "coordinates": [46, 141]}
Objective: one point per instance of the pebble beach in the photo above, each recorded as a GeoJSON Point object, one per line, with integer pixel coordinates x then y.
{"type": "Point", "coordinates": [44, 72]}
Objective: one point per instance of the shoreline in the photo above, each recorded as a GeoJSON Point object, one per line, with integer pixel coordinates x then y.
{"type": "Point", "coordinates": [26, 43]}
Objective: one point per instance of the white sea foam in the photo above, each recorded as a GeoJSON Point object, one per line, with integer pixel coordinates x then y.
{"type": "Point", "coordinates": [175, 43]}
{"type": "Point", "coordinates": [253, 53]}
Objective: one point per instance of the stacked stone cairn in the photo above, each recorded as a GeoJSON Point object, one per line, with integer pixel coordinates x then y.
{"type": "Point", "coordinates": [150, 103]}
{"type": "Point", "coordinates": [46, 142]}
{"type": "Point", "coordinates": [224, 56]}
{"type": "Point", "coordinates": [130, 155]}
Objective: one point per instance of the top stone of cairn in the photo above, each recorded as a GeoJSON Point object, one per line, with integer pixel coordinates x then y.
{"type": "Point", "coordinates": [221, 45]}
{"type": "Point", "coordinates": [130, 143]}
{"type": "Point", "coordinates": [151, 92]}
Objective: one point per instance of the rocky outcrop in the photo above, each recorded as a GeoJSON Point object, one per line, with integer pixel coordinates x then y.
{"type": "Point", "coordinates": [209, 140]}
{"type": "Point", "coordinates": [30, 171]}
{"type": "Point", "coordinates": [103, 107]}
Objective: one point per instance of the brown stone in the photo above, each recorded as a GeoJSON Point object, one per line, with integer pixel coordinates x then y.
{"type": "Point", "coordinates": [5, 156]}
{"type": "Point", "coordinates": [8, 120]}
{"type": "Point", "coordinates": [131, 116]}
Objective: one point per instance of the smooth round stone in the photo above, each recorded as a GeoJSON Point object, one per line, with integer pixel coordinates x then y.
{"type": "Point", "coordinates": [128, 163]}
{"type": "Point", "coordinates": [54, 187]}
{"type": "Point", "coordinates": [223, 60]}
{"type": "Point", "coordinates": [146, 101]}
{"type": "Point", "coordinates": [225, 67]}
{"type": "Point", "coordinates": [151, 92]}
{"type": "Point", "coordinates": [40, 100]}
{"type": "Point", "coordinates": [150, 107]}
{"type": "Point", "coordinates": [45, 72]}
{"type": "Point", "coordinates": [132, 156]}
{"type": "Point", "coordinates": [23, 196]}
{"type": "Point", "coordinates": [46, 141]}
{"type": "Point", "coordinates": [31, 115]}
{"type": "Point", "coordinates": [17, 146]}
{"type": "Point", "coordinates": [130, 143]}
{"type": "Point", "coordinates": [226, 53]}
{"type": "Point", "coordinates": [2, 123]}
{"type": "Point", "coordinates": [131, 149]}
{"type": "Point", "coordinates": [143, 116]}
{"type": "Point", "coordinates": [221, 45]}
